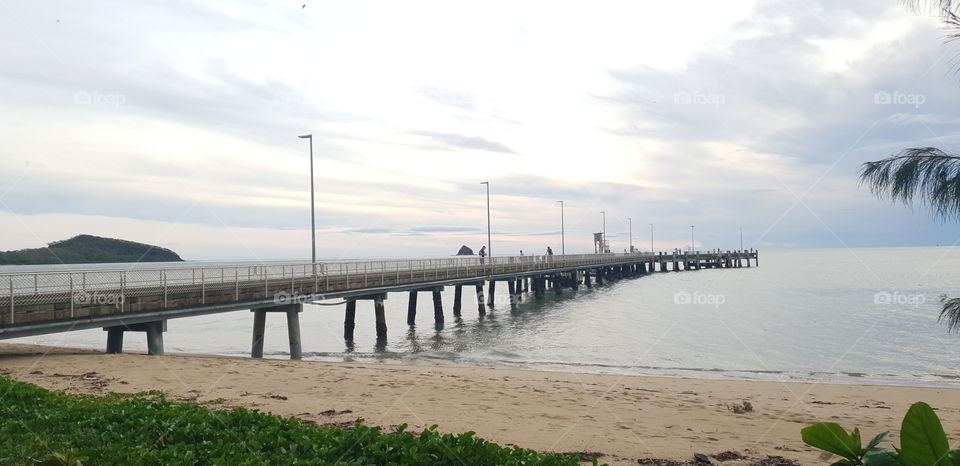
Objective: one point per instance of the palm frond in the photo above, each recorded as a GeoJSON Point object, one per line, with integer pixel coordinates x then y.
{"type": "Point", "coordinates": [926, 173]}
{"type": "Point", "coordinates": [946, 10]}
{"type": "Point", "coordinates": [950, 314]}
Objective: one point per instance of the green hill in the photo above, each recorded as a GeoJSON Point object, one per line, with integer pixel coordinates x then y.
{"type": "Point", "coordinates": [86, 249]}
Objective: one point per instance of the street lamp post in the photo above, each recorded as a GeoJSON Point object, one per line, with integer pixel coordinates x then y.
{"type": "Point", "coordinates": [651, 238]}
{"type": "Point", "coordinates": [603, 237]}
{"type": "Point", "coordinates": [489, 245]}
{"type": "Point", "coordinates": [313, 224]}
{"type": "Point", "coordinates": [563, 244]}
{"type": "Point", "coordinates": [630, 221]}
{"type": "Point", "coordinates": [692, 242]}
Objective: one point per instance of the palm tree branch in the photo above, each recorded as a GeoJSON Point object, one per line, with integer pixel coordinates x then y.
{"type": "Point", "coordinates": [950, 313]}
{"type": "Point", "coordinates": [926, 174]}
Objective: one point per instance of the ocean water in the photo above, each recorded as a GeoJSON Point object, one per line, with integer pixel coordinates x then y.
{"type": "Point", "coordinates": [836, 316]}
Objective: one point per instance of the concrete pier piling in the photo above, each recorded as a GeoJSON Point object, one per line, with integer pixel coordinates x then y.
{"type": "Point", "coordinates": [412, 309]}
{"type": "Point", "coordinates": [350, 320]}
{"type": "Point", "coordinates": [480, 300]}
{"type": "Point", "coordinates": [293, 333]}
{"type": "Point", "coordinates": [380, 318]}
{"type": "Point", "coordinates": [491, 292]}
{"type": "Point", "coordinates": [153, 330]}
{"type": "Point", "coordinates": [512, 290]}
{"type": "Point", "coordinates": [457, 297]}
{"type": "Point", "coordinates": [437, 307]}
{"type": "Point", "coordinates": [292, 312]}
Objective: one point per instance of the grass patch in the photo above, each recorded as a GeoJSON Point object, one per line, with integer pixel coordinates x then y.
{"type": "Point", "coordinates": [40, 426]}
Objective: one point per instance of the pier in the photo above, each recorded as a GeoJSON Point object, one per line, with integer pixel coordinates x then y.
{"type": "Point", "coordinates": [143, 299]}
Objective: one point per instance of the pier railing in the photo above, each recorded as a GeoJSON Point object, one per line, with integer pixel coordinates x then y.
{"type": "Point", "coordinates": [64, 294]}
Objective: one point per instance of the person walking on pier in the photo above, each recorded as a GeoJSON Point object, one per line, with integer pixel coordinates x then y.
{"type": "Point", "coordinates": [482, 253]}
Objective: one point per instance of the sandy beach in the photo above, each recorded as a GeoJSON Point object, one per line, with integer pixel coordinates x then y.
{"type": "Point", "coordinates": [624, 418]}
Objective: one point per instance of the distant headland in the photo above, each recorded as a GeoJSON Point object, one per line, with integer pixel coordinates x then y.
{"type": "Point", "coordinates": [88, 249]}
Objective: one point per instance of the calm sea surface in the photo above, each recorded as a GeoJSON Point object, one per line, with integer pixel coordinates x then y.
{"type": "Point", "coordinates": [838, 316]}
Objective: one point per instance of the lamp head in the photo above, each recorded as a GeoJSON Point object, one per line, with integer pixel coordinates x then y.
{"type": "Point", "coordinates": [306, 136]}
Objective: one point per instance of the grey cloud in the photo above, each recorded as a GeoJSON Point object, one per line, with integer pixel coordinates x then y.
{"type": "Point", "coordinates": [451, 140]}
{"type": "Point", "coordinates": [462, 100]}
{"type": "Point", "coordinates": [444, 229]}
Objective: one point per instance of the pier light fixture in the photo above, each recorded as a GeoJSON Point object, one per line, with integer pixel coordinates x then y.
{"type": "Point", "coordinates": [313, 224]}
{"type": "Point", "coordinates": [489, 244]}
{"type": "Point", "coordinates": [603, 237]}
{"type": "Point", "coordinates": [651, 238]}
{"type": "Point", "coordinates": [563, 244]}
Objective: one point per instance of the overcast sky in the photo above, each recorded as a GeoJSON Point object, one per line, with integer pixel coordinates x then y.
{"type": "Point", "coordinates": [176, 122]}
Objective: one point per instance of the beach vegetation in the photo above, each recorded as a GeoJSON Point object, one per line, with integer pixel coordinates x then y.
{"type": "Point", "coordinates": [39, 426]}
{"type": "Point", "coordinates": [922, 442]}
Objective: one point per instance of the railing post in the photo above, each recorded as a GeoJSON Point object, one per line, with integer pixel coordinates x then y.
{"type": "Point", "coordinates": [123, 289]}
{"type": "Point", "coordinates": [164, 276]}
{"type": "Point", "coordinates": [72, 299]}
{"type": "Point", "coordinates": [236, 284]}
{"type": "Point", "coordinates": [203, 286]}
{"type": "Point", "coordinates": [11, 300]}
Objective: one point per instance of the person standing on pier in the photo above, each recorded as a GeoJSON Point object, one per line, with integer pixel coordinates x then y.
{"type": "Point", "coordinates": [482, 253]}
{"type": "Point", "coordinates": [549, 254]}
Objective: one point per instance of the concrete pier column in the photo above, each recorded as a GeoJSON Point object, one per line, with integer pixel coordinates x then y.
{"type": "Point", "coordinates": [259, 323]}
{"type": "Point", "coordinates": [437, 307]}
{"type": "Point", "coordinates": [114, 340]}
{"type": "Point", "coordinates": [153, 330]}
{"type": "Point", "coordinates": [586, 278]}
{"type": "Point", "coordinates": [457, 296]}
{"type": "Point", "coordinates": [519, 289]}
{"type": "Point", "coordinates": [512, 290]}
{"type": "Point", "coordinates": [412, 309]}
{"type": "Point", "coordinates": [526, 284]}
{"type": "Point", "coordinates": [350, 320]}
{"type": "Point", "coordinates": [557, 284]}
{"type": "Point", "coordinates": [492, 291]}
{"type": "Point", "coordinates": [480, 306]}
{"type": "Point", "coordinates": [574, 280]}
{"type": "Point", "coordinates": [381, 319]}
{"type": "Point", "coordinates": [599, 274]}
{"type": "Point", "coordinates": [293, 332]}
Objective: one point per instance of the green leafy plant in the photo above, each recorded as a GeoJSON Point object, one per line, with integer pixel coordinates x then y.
{"type": "Point", "coordinates": [923, 442]}
{"type": "Point", "coordinates": [41, 427]}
